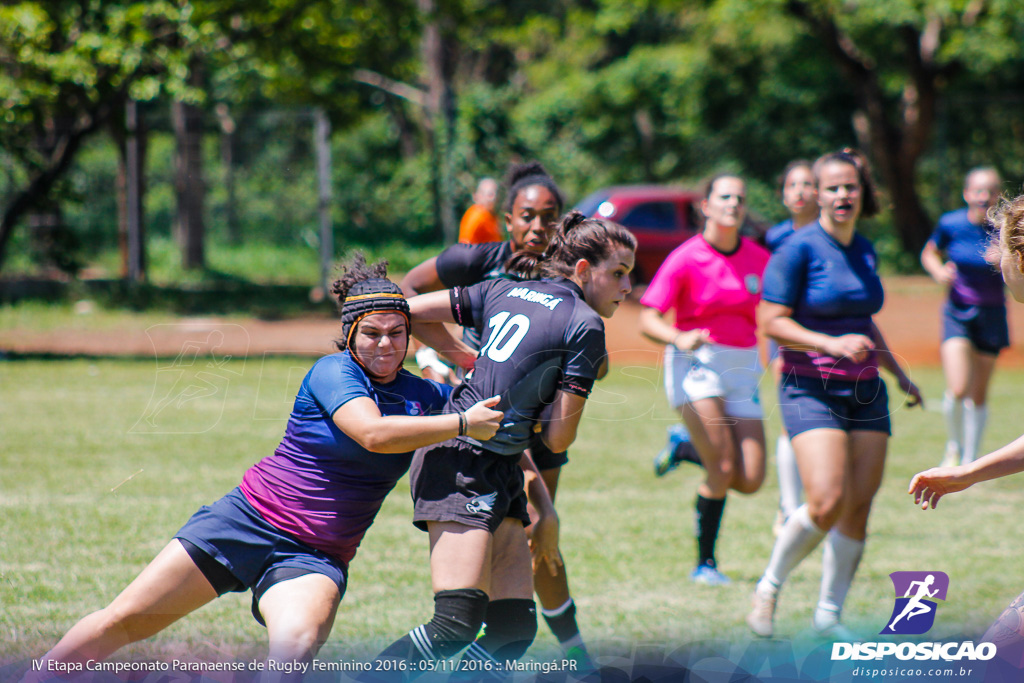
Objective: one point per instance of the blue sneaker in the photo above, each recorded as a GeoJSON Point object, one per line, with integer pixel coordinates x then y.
{"type": "Point", "coordinates": [666, 461]}
{"type": "Point", "coordinates": [709, 576]}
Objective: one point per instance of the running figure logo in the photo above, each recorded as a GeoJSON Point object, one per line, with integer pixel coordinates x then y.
{"type": "Point", "coordinates": [917, 594]}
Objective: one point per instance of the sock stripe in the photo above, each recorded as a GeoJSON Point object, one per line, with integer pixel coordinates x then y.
{"type": "Point", "coordinates": [558, 611]}
{"type": "Point", "coordinates": [422, 642]}
{"type": "Point", "coordinates": [477, 653]}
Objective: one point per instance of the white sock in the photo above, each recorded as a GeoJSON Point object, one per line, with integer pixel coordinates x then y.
{"type": "Point", "coordinates": [798, 537]}
{"type": "Point", "coordinates": [839, 564]}
{"type": "Point", "coordinates": [953, 410]}
{"type": "Point", "coordinates": [790, 485]}
{"type": "Point", "coordinates": [974, 425]}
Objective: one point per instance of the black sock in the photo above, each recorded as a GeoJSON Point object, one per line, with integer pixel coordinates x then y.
{"type": "Point", "coordinates": [709, 518]}
{"type": "Point", "coordinates": [685, 452]}
{"type": "Point", "coordinates": [564, 625]}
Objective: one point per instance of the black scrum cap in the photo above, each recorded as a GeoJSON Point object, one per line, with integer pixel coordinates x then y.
{"type": "Point", "coordinates": [375, 295]}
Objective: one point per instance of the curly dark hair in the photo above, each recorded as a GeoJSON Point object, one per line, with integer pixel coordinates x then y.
{"type": "Point", "coordinates": [354, 271]}
{"type": "Point", "coordinates": [1007, 217]}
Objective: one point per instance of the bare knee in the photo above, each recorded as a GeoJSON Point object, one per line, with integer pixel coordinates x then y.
{"type": "Point", "coordinates": [824, 510]}
{"type": "Point", "coordinates": [297, 641]}
{"type": "Point", "coordinates": [748, 485]}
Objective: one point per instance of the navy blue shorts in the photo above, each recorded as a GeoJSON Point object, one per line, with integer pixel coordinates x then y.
{"type": "Point", "coordinates": [813, 403]}
{"type": "Point", "coordinates": [456, 481]}
{"type": "Point", "coordinates": [237, 549]}
{"type": "Point", "coordinates": [984, 326]}
{"type": "Point", "coordinates": [543, 457]}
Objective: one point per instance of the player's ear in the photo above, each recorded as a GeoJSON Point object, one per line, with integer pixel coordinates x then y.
{"type": "Point", "coordinates": [582, 270]}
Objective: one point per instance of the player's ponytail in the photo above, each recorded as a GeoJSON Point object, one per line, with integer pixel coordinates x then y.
{"type": "Point", "coordinates": [524, 265]}
{"type": "Point", "coordinates": [578, 237]}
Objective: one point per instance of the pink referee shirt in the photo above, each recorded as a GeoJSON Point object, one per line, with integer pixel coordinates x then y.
{"type": "Point", "coordinates": [711, 290]}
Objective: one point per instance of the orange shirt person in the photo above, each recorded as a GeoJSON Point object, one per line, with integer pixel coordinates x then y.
{"type": "Point", "coordinates": [479, 224]}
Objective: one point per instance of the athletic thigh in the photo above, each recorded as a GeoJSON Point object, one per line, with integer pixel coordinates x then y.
{"type": "Point", "coordinates": [460, 556]}
{"type": "Point", "coordinates": [298, 606]}
{"type": "Point", "coordinates": [822, 456]}
{"type": "Point", "coordinates": [511, 563]}
{"type": "Point", "coordinates": [867, 465]}
{"type": "Point", "coordinates": [957, 365]}
{"type": "Point", "coordinates": [170, 587]}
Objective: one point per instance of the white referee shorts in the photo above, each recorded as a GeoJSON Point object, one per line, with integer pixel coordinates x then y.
{"type": "Point", "coordinates": [714, 370]}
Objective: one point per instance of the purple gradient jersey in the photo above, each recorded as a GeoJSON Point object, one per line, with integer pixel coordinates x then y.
{"type": "Point", "coordinates": [978, 282]}
{"type": "Point", "coordinates": [833, 289]}
{"type": "Point", "coordinates": [321, 486]}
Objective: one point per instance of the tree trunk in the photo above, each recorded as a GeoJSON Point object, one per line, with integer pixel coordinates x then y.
{"type": "Point", "coordinates": [439, 47]}
{"type": "Point", "coordinates": [189, 186]}
{"type": "Point", "coordinates": [131, 143]}
{"type": "Point", "coordinates": [227, 158]}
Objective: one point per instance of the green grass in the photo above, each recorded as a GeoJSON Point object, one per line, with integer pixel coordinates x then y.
{"type": "Point", "coordinates": [90, 490]}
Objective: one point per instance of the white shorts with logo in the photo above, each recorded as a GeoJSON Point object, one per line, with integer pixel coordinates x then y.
{"type": "Point", "coordinates": [715, 370]}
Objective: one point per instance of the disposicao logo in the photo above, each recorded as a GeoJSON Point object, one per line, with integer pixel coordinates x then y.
{"type": "Point", "coordinates": [917, 598]}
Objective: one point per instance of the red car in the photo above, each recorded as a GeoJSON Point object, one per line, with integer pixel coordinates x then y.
{"type": "Point", "coordinates": [661, 217]}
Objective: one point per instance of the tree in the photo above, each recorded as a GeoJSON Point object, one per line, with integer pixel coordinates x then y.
{"type": "Point", "coordinates": [900, 58]}
{"type": "Point", "coordinates": [68, 68]}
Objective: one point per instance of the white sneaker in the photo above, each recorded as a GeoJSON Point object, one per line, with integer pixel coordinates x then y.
{"type": "Point", "coordinates": [761, 619]}
{"type": "Point", "coordinates": [828, 627]}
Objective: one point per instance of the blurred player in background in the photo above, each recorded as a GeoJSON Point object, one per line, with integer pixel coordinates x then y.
{"type": "Point", "coordinates": [974, 327]}
{"type": "Point", "coordinates": [712, 283]}
{"type": "Point", "coordinates": [821, 290]}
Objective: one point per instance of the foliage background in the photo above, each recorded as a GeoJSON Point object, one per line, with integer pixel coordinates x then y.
{"type": "Point", "coordinates": [601, 91]}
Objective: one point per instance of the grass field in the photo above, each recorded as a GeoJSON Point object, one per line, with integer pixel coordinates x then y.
{"type": "Point", "coordinates": [102, 461]}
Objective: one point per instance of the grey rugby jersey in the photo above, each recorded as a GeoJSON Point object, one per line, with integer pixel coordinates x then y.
{"type": "Point", "coordinates": [538, 336]}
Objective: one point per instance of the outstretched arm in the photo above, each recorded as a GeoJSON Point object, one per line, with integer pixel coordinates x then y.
{"type": "Point", "coordinates": [929, 486]}
{"type": "Point", "coordinates": [889, 362]}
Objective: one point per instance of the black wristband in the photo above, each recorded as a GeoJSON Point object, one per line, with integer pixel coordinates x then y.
{"type": "Point", "coordinates": [463, 424]}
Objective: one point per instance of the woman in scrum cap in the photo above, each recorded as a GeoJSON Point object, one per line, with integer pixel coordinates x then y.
{"type": "Point", "coordinates": [290, 529]}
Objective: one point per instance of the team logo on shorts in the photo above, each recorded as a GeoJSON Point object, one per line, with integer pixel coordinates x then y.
{"type": "Point", "coordinates": [753, 283]}
{"type": "Point", "coordinates": [482, 503]}
{"type": "Point", "coordinates": [917, 594]}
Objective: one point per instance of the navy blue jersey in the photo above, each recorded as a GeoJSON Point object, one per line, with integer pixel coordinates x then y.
{"type": "Point", "coordinates": [978, 282]}
{"type": "Point", "coordinates": [538, 336]}
{"type": "Point", "coordinates": [777, 234]}
{"type": "Point", "coordinates": [832, 289]}
{"type": "Point", "coordinates": [320, 485]}
{"type": "Point", "coordinates": [462, 265]}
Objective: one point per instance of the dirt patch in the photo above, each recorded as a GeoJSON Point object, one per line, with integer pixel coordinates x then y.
{"type": "Point", "coordinates": [910, 320]}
